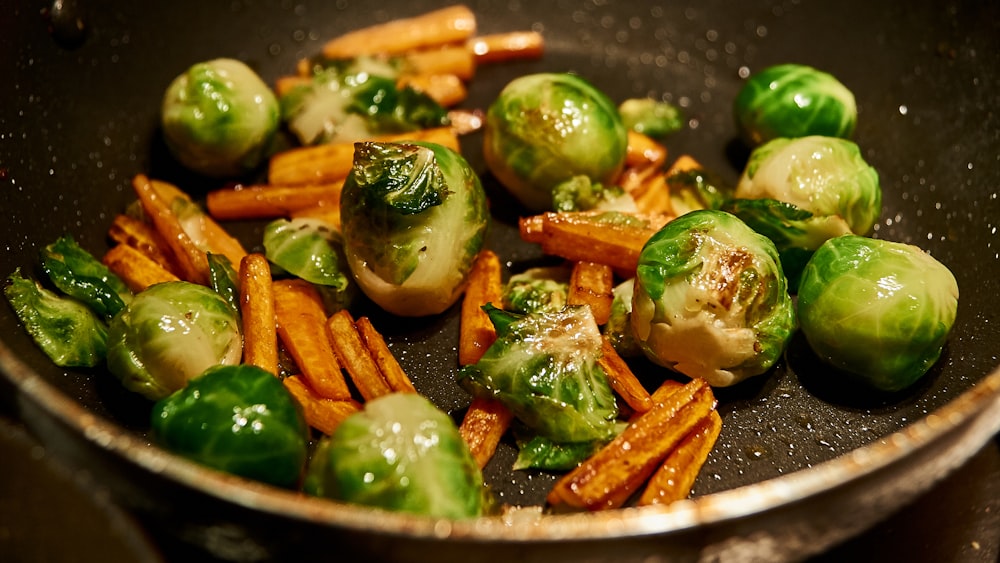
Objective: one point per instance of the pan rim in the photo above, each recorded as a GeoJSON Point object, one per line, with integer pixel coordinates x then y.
{"type": "Point", "coordinates": [974, 404]}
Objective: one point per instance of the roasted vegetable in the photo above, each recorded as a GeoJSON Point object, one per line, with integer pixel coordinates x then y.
{"type": "Point", "coordinates": [877, 309]}
{"type": "Point", "coordinates": [544, 129]}
{"type": "Point", "coordinates": [580, 193]}
{"type": "Point", "coordinates": [794, 100]}
{"type": "Point", "coordinates": [77, 273]}
{"type": "Point", "coordinates": [801, 192]}
{"type": "Point", "coordinates": [543, 367]}
{"type": "Point", "coordinates": [710, 299]}
{"type": "Point", "coordinates": [403, 454]}
{"type": "Point", "coordinates": [651, 117]}
{"type": "Point", "coordinates": [69, 332]}
{"type": "Point", "coordinates": [238, 419]}
{"type": "Point", "coordinates": [536, 290]}
{"type": "Point", "coordinates": [219, 118]}
{"type": "Point", "coordinates": [354, 99]}
{"type": "Point", "coordinates": [169, 334]}
{"type": "Point", "coordinates": [413, 216]}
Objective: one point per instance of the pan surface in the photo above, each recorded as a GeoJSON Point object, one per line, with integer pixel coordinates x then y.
{"type": "Point", "coordinates": [79, 118]}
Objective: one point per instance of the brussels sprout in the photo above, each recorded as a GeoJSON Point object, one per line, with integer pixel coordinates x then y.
{"type": "Point", "coordinates": [238, 419]}
{"type": "Point", "coordinates": [169, 334]}
{"type": "Point", "coordinates": [308, 248]}
{"type": "Point", "coordinates": [541, 452]}
{"type": "Point", "coordinates": [710, 299]}
{"type": "Point", "coordinates": [876, 309]}
{"type": "Point", "coordinates": [414, 216]}
{"type": "Point", "coordinates": [543, 367]}
{"type": "Point", "coordinates": [696, 189]}
{"type": "Point", "coordinates": [219, 118]}
{"type": "Point", "coordinates": [651, 117]}
{"type": "Point", "coordinates": [544, 129]}
{"type": "Point", "coordinates": [69, 332]}
{"type": "Point", "coordinates": [579, 193]}
{"type": "Point", "coordinates": [805, 191]}
{"type": "Point", "coordinates": [537, 290]}
{"type": "Point", "coordinates": [618, 329]}
{"type": "Point", "coordinates": [76, 272]}
{"type": "Point", "coordinates": [224, 279]}
{"type": "Point", "coordinates": [793, 100]}
{"type": "Point", "coordinates": [403, 454]}
{"type": "Point", "coordinates": [355, 99]}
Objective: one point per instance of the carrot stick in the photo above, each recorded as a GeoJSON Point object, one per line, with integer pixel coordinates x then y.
{"type": "Point", "coordinates": [136, 269]}
{"type": "Point", "coordinates": [608, 478]}
{"type": "Point", "coordinates": [483, 426]}
{"type": "Point", "coordinates": [321, 413]}
{"type": "Point", "coordinates": [484, 286]}
{"type": "Point", "coordinates": [448, 90]}
{"type": "Point", "coordinates": [324, 164]}
{"type": "Point", "coordinates": [643, 150]}
{"type": "Point", "coordinates": [262, 202]}
{"type": "Point", "coordinates": [260, 338]}
{"type": "Point", "coordinates": [440, 27]}
{"type": "Point", "coordinates": [143, 237]}
{"type": "Point", "coordinates": [192, 261]}
{"type": "Point", "coordinates": [676, 476]}
{"type": "Point", "coordinates": [507, 46]}
{"type": "Point", "coordinates": [355, 357]}
{"type": "Point", "coordinates": [592, 284]}
{"type": "Point", "coordinates": [386, 362]}
{"type": "Point", "coordinates": [622, 380]}
{"type": "Point", "coordinates": [453, 60]}
{"type": "Point", "coordinates": [301, 322]}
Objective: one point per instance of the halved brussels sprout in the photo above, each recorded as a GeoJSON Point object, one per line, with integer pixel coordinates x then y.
{"type": "Point", "coordinates": [170, 333]}
{"type": "Point", "coordinates": [537, 290]}
{"type": "Point", "coordinates": [414, 216]}
{"type": "Point", "coordinates": [68, 331]}
{"type": "Point", "coordinates": [544, 129]}
{"type": "Point", "coordinates": [801, 192]}
{"type": "Point", "coordinates": [710, 299]}
{"type": "Point", "coordinates": [794, 100]}
{"type": "Point", "coordinates": [219, 118]}
{"type": "Point", "coordinates": [877, 309]}
{"type": "Point", "coordinates": [238, 419]}
{"type": "Point", "coordinates": [543, 367]}
{"type": "Point", "coordinates": [353, 99]}
{"type": "Point", "coordinates": [400, 453]}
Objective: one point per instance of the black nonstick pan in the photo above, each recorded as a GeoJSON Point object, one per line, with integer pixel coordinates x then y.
{"type": "Point", "coordinates": [802, 463]}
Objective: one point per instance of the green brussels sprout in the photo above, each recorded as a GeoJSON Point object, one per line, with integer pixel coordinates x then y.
{"type": "Point", "coordinates": [793, 100]}
{"type": "Point", "coordinates": [224, 280]}
{"type": "Point", "coordinates": [76, 272]}
{"type": "Point", "coordinates": [544, 368]}
{"type": "Point", "coordinates": [400, 453]}
{"type": "Point", "coordinates": [801, 192]}
{"type": "Point", "coordinates": [618, 329]}
{"type": "Point", "coordinates": [710, 299]}
{"type": "Point", "coordinates": [354, 99]}
{"type": "Point", "coordinates": [580, 193]}
{"type": "Point", "coordinates": [696, 189]}
{"type": "Point", "coordinates": [651, 117]}
{"type": "Point", "coordinates": [544, 129]}
{"type": "Point", "coordinates": [219, 118]}
{"type": "Point", "coordinates": [414, 216]}
{"type": "Point", "coordinates": [66, 330]}
{"type": "Point", "coordinates": [170, 333]}
{"type": "Point", "coordinates": [876, 309]}
{"type": "Point", "coordinates": [238, 419]}
{"type": "Point", "coordinates": [537, 290]}
{"type": "Point", "coordinates": [541, 452]}
{"type": "Point", "coordinates": [307, 248]}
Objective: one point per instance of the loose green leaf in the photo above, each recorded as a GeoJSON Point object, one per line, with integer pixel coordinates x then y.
{"type": "Point", "coordinates": [76, 272]}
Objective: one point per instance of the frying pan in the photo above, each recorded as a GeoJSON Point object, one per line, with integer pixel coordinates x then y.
{"type": "Point", "coordinates": [803, 461]}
